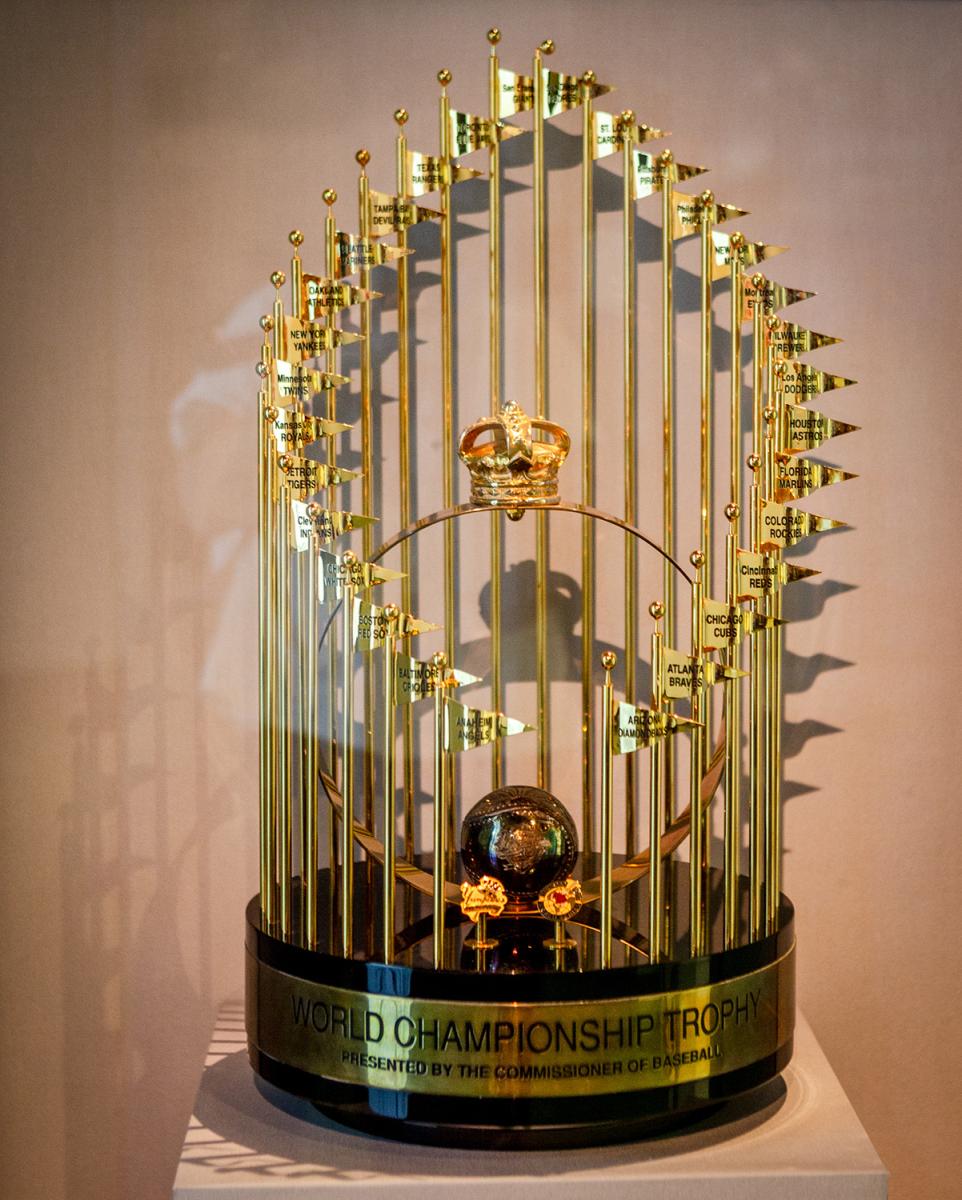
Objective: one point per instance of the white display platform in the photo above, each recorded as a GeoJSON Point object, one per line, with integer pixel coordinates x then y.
{"type": "Point", "coordinates": [796, 1139]}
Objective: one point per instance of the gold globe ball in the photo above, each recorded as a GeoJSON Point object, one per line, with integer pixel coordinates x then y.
{"type": "Point", "coordinates": [295, 237]}
{"type": "Point", "coordinates": [444, 77]}
{"type": "Point", "coordinates": [656, 610]}
{"type": "Point", "coordinates": [697, 559]}
{"type": "Point", "coordinates": [732, 512]}
{"type": "Point", "coordinates": [401, 116]}
{"type": "Point", "coordinates": [363, 157]}
{"type": "Point", "coordinates": [608, 660]}
{"type": "Point", "coordinates": [494, 36]}
{"type": "Point", "coordinates": [278, 279]}
{"type": "Point", "coordinates": [329, 196]}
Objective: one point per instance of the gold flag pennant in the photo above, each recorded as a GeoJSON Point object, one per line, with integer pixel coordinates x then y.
{"type": "Point", "coordinates": [466, 728]}
{"type": "Point", "coordinates": [357, 253]}
{"type": "Point", "coordinates": [636, 727]}
{"type": "Point", "coordinates": [304, 476]}
{"type": "Point", "coordinates": [797, 477]}
{"type": "Point", "coordinates": [682, 675]}
{"type": "Point", "coordinates": [293, 383]}
{"type": "Point", "coordinates": [783, 526]}
{"type": "Point", "coordinates": [807, 429]}
{"type": "Point", "coordinates": [723, 625]}
{"type": "Point", "coordinates": [761, 575]}
{"type": "Point", "coordinates": [292, 428]}
{"type": "Point", "coordinates": [562, 92]}
{"type": "Point", "coordinates": [372, 626]}
{"type": "Point", "coordinates": [747, 253]}
{"type": "Point", "coordinates": [686, 213]}
{"type": "Point", "coordinates": [609, 133]}
{"type": "Point", "coordinates": [468, 132]}
{"type": "Point", "coordinates": [334, 574]}
{"type": "Point", "coordinates": [321, 297]}
{"type": "Point", "coordinates": [308, 339]}
{"type": "Point", "coordinates": [325, 524]}
{"type": "Point", "coordinates": [390, 214]}
{"type": "Point", "coordinates": [799, 380]}
{"type": "Point", "coordinates": [416, 680]}
{"type": "Point", "coordinates": [426, 173]}
{"type": "Point", "coordinates": [768, 296]}
{"type": "Point", "coordinates": [515, 93]}
{"type": "Point", "coordinates": [651, 171]}
{"type": "Point", "coordinates": [789, 341]}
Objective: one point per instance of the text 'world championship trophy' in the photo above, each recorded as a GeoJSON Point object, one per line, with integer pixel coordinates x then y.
{"type": "Point", "coordinates": [530, 990]}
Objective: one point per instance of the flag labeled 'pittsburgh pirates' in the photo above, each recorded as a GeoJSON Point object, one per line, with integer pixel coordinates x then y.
{"type": "Point", "coordinates": [651, 172]}
{"type": "Point", "coordinates": [783, 526]}
{"type": "Point", "coordinates": [636, 727]}
{"type": "Point", "coordinates": [416, 680]}
{"type": "Point", "coordinates": [466, 728]}
{"type": "Point", "coordinates": [762, 575]}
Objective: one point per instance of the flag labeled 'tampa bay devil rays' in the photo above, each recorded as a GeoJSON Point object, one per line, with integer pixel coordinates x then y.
{"type": "Point", "coordinates": [321, 297]}
{"type": "Point", "coordinates": [687, 211]}
{"type": "Point", "coordinates": [372, 625]}
{"type": "Point", "coordinates": [468, 132]}
{"type": "Point", "coordinates": [293, 383]}
{"type": "Point", "coordinates": [806, 429]}
{"type": "Point", "coordinates": [725, 625]}
{"type": "Point", "coordinates": [682, 675]}
{"type": "Point", "coordinates": [308, 339]}
{"type": "Point", "coordinates": [651, 171]}
{"type": "Point", "coordinates": [783, 526]}
{"type": "Point", "coordinates": [746, 253]}
{"type": "Point", "coordinates": [788, 340]}
{"type": "Point", "coordinates": [312, 525]}
{"type": "Point", "coordinates": [768, 297]}
{"type": "Point", "coordinates": [334, 575]}
{"type": "Point", "coordinates": [466, 728]}
{"type": "Point", "coordinates": [799, 380]}
{"type": "Point", "coordinates": [426, 173]}
{"type": "Point", "coordinates": [636, 727]}
{"type": "Point", "coordinates": [305, 477]}
{"type": "Point", "coordinates": [291, 428]}
{"type": "Point", "coordinates": [416, 680]}
{"type": "Point", "coordinates": [797, 477]}
{"type": "Point", "coordinates": [762, 575]}
{"type": "Point", "coordinates": [359, 254]}
{"type": "Point", "coordinates": [609, 133]}
{"type": "Point", "coordinates": [390, 214]}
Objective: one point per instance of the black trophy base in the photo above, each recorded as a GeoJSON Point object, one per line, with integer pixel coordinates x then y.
{"type": "Point", "coordinates": [508, 1051]}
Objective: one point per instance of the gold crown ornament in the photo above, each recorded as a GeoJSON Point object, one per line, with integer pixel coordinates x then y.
{"type": "Point", "coordinates": [516, 464]}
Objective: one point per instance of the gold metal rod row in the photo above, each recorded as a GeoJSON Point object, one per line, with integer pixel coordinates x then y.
{"type": "Point", "coordinates": [541, 410]}
{"type": "Point", "coordinates": [587, 464]}
{"type": "Point", "coordinates": [285, 743]}
{"type": "Point", "coordinates": [696, 871]}
{"type": "Point", "coordinates": [631, 456]}
{"type": "Point", "coordinates": [668, 456]}
{"type": "Point", "coordinates": [367, 471]}
{"type": "Point", "coordinates": [309, 794]}
{"type": "Point", "coordinates": [756, 835]}
{"type": "Point", "coordinates": [607, 807]}
{"type": "Point", "coordinates": [440, 819]}
{"type": "Point", "coordinates": [772, 681]}
{"type": "Point", "coordinates": [494, 308]}
{"type": "Point", "coordinates": [656, 785]}
{"type": "Point", "coordinates": [390, 799]}
{"type": "Point", "coordinates": [706, 467]}
{"type": "Point", "coordinates": [329, 197]}
{"type": "Point", "coordinates": [265, 657]}
{"type": "Point", "coordinates": [732, 837]}
{"type": "Point", "coordinates": [347, 771]}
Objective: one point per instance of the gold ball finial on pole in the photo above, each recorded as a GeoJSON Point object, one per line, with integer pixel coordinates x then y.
{"type": "Point", "coordinates": [362, 158]}
{"type": "Point", "coordinates": [261, 370]}
{"type": "Point", "coordinates": [439, 660]}
{"type": "Point", "coordinates": [296, 238]}
{"type": "Point", "coordinates": [444, 77]}
{"type": "Point", "coordinates": [732, 512]}
{"type": "Point", "coordinates": [628, 117]}
{"type": "Point", "coordinates": [547, 46]}
{"type": "Point", "coordinates": [754, 462]}
{"type": "Point", "coordinates": [401, 116]}
{"type": "Point", "coordinates": [348, 558]}
{"type": "Point", "coordinates": [758, 279]}
{"type": "Point", "coordinates": [266, 322]}
{"type": "Point", "coordinates": [608, 660]}
{"type": "Point", "coordinates": [737, 239]}
{"type": "Point", "coordinates": [494, 35]}
{"type": "Point", "coordinates": [278, 279]}
{"type": "Point", "coordinates": [666, 157]}
{"type": "Point", "coordinates": [314, 510]}
{"type": "Point", "coordinates": [329, 196]}
{"type": "Point", "coordinates": [656, 610]}
{"type": "Point", "coordinates": [588, 76]}
{"type": "Point", "coordinates": [697, 559]}
{"type": "Point", "coordinates": [707, 197]}
{"type": "Point", "coordinates": [392, 612]}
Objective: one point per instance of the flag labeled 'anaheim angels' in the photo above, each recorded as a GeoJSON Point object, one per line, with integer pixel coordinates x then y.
{"type": "Point", "coordinates": [466, 728]}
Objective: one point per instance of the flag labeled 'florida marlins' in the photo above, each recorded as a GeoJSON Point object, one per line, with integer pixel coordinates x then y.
{"type": "Point", "coordinates": [465, 728]}
{"type": "Point", "coordinates": [762, 575]}
{"type": "Point", "coordinates": [416, 680]}
{"type": "Point", "coordinates": [373, 625]}
{"type": "Point", "coordinates": [682, 675]}
{"type": "Point", "coordinates": [797, 477]}
{"type": "Point", "coordinates": [636, 727]}
{"type": "Point", "coordinates": [783, 526]}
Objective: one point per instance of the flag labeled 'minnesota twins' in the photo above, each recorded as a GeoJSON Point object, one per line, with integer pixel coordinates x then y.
{"type": "Point", "coordinates": [783, 526]}
{"type": "Point", "coordinates": [807, 429]}
{"type": "Point", "coordinates": [416, 680]}
{"type": "Point", "coordinates": [465, 728]}
{"type": "Point", "coordinates": [294, 383]}
{"type": "Point", "coordinates": [636, 727]}
{"type": "Point", "coordinates": [762, 575]}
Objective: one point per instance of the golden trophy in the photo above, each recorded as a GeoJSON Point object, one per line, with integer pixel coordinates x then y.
{"type": "Point", "coordinates": [470, 957]}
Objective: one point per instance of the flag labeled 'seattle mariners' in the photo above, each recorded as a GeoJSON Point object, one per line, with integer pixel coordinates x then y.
{"type": "Point", "coordinates": [745, 252]}
{"type": "Point", "coordinates": [725, 624]}
{"type": "Point", "coordinates": [798, 381]}
{"type": "Point", "coordinates": [652, 170]}
{"type": "Point", "coordinates": [761, 575]}
{"type": "Point", "coordinates": [682, 675]}
{"type": "Point", "coordinates": [417, 680]}
{"type": "Point", "coordinates": [335, 574]}
{"type": "Point", "coordinates": [609, 133]}
{"type": "Point", "coordinates": [468, 132]}
{"type": "Point", "coordinates": [390, 214]}
{"type": "Point", "coordinates": [686, 213]}
{"type": "Point", "coordinates": [788, 340]}
{"type": "Point", "coordinates": [783, 526]}
{"type": "Point", "coordinates": [797, 477]}
{"type": "Point", "coordinates": [806, 429]}
{"type": "Point", "coordinates": [304, 476]}
{"type": "Point", "coordinates": [768, 296]}
{"type": "Point", "coordinates": [358, 254]}
{"type": "Point", "coordinates": [373, 626]}
{"type": "Point", "coordinates": [294, 383]}
{"type": "Point", "coordinates": [426, 173]}
{"type": "Point", "coordinates": [309, 339]}
{"type": "Point", "coordinates": [321, 297]}
{"type": "Point", "coordinates": [311, 522]}
{"type": "Point", "coordinates": [465, 728]}
{"type": "Point", "coordinates": [293, 428]}
{"type": "Point", "coordinates": [636, 727]}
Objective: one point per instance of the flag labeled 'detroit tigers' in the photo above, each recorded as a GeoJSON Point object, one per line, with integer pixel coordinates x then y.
{"type": "Point", "coordinates": [686, 213]}
{"type": "Point", "coordinates": [334, 574]}
{"type": "Point", "coordinates": [783, 526]}
{"type": "Point", "coordinates": [310, 523]}
{"type": "Point", "coordinates": [788, 340]}
{"type": "Point", "coordinates": [308, 339]}
{"type": "Point", "coordinates": [373, 626]}
{"type": "Point", "coordinates": [390, 214]}
{"type": "Point", "coordinates": [358, 254]}
{"type": "Point", "coordinates": [321, 297]}
{"type": "Point", "coordinates": [652, 170]}
{"type": "Point", "coordinates": [291, 428]}
{"type": "Point", "coordinates": [416, 680]}
{"type": "Point", "coordinates": [797, 477]}
{"type": "Point", "coordinates": [466, 728]}
{"type": "Point", "coordinates": [468, 132]}
{"type": "Point", "coordinates": [426, 173]}
{"type": "Point", "coordinates": [609, 133]}
{"type": "Point", "coordinates": [305, 477]}
{"type": "Point", "coordinates": [744, 252]}
{"type": "Point", "coordinates": [293, 383]}
{"type": "Point", "coordinates": [761, 575]}
{"type": "Point", "coordinates": [682, 675]}
{"type": "Point", "coordinates": [636, 727]}
{"type": "Point", "coordinates": [806, 429]}
{"type": "Point", "coordinates": [769, 297]}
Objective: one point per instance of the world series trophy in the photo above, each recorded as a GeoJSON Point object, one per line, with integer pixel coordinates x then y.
{"type": "Point", "coordinates": [542, 987]}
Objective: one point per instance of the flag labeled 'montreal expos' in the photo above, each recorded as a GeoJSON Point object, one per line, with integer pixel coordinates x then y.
{"type": "Point", "coordinates": [636, 727]}
{"type": "Point", "coordinates": [768, 297]}
{"type": "Point", "coordinates": [416, 680]}
{"type": "Point", "coordinates": [797, 477]}
{"type": "Point", "coordinates": [465, 728]}
{"type": "Point", "coordinates": [783, 526]}
{"type": "Point", "coordinates": [744, 252]}
{"type": "Point", "coordinates": [807, 429]}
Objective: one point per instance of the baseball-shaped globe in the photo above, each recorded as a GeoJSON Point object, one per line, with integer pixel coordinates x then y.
{"type": "Point", "coordinates": [523, 837]}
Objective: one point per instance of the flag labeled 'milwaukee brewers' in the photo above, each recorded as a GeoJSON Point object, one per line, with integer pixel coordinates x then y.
{"type": "Point", "coordinates": [788, 340]}
{"type": "Point", "coordinates": [807, 429]}
{"type": "Point", "coordinates": [762, 575]}
{"type": "Point", "coordinates": [309, 339]}
{"type": "Point", "coordinates": [356, 254]}
{"type": "Point", "coordinates": [609, 133]}
{"type": "Point", "coordinates": [466, 728]}
{"type": "Point", "coordinates": [334, 575]}
{"type": "Point", "coordinates": [726, 625]}
{"type": "Point", "coordinates": [686, 213]}
{"type": "Point", "coordinates": [799, 380]}
{"type": "Point", "coordinates": [745, 252]}
{"type": "Point", "coordinates": [293, 383]}
{"type": "Point", "coordinates": [636, 727]}
{"type": "Point", "coordinates": [797, 477]}
{"type": "Point", "coordinates": [426, 173]}
{"type": "Point", "coordinates": [651, 171]}
{"type": "Point", "coordinates": [768, 296]}
{"type": "Point", "coordinates": [682, 675]}
{"type": "Point", "coordinates": [515, 93]}
{"type": "Point", "coordinates": [390, 214]}
{"type": "Point", "coordinates": [321, 296]}
{"type": "Point", "coordinates": [304, 476]}
{"type": "Point", "coordinates": [783, 526]}
{"type": "Point", "coordinates": [468, 132]}
{"type": "Point", "coordinates": [372, 625]}
{"type": "Point", "coordinates": [417, 680]}
{"type": "Point", "coordinates": [325, 524]}
{"type": "Point", "coordinates": [293, 428]}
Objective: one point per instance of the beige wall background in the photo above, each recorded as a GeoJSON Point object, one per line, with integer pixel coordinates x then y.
{"type": "Point", "coordinates": [154, 157]}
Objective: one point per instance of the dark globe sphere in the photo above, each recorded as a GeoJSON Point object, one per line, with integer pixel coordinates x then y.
{"type": "Point", "coordinates": [523, 837]}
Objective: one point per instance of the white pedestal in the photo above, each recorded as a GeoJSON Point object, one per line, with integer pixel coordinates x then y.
{"type": "Point", "coordinates": [796, 1139]}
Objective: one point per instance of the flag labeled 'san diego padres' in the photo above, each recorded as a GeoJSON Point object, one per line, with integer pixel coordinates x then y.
{"type": "Point", "coordinates": [636, 727]}
{"type": "Point", "coordinates": [652, 170]}
{"type": "Point", "coordinates": [416, 680]}
{"type": "Point", "coordinates": [465, 728]}
{"type": "Point", "coordinates": [783, 526]}
{"type": "Point", "coordinates": [744, 252]}
{"type": "Point", "coordinates": [334, 575]}
{"type": "Point", "coordinates": [468, 132]}
{"type": "Point", "coordinates": [609, 133]}
{"type": "Point", "coordinates": [372, 625]}
{"type": "Point", "coordinates": [762, 575]}
{"type": "Point", "coordinates": [426, 173]}
{"type": "Point", "coordinates": [806, 429]}
{"type": "Point", "coordinates": [562, 92]}
{"type": "Point", "coordinates": [788, 340]}
{"type": "Point", "coordinates": [308, 339]}
{"type": "Point", "coordinates": [293, 383]}
{"type": "Point", "coordinates": [390, 214]}
{"type": "Point", "coordinates": [687, 213]}
{"type": "Point", "coordinates": [682, 675]}
{"type": "Point", "coordinates": [291, 428]}
{"type": "Point", "coordinates": [359, 254]}
{"type": "Point", "coordinates": [312, 523]}
{"type": "Point", "coordinates": [798, 381]}
{"type": "Point", "coordinates": [797, 477]}
{"type": "Point", "coordinates": [321, 297]}
{"type": "Point", "coordinates": [768, 297]}
{"type": "Point", "coordinates": [305, 477]}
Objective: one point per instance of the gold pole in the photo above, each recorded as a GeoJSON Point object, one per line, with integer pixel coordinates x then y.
{"type": "Point", "coordinates": [541, 408]}
{"type": "Point", "coordinates": [447, 362]}
{"type": "Point", "coordinates": [707, 205]}
{"type": "Point", "coordinates": [347, 764]}
{"type": "Point", "coordinates": [390, 810]}
{"type": "Point", "coordinates": [587, 459]}
{"type": "Point", "coordinates": [265, 413]}
{"type": "Point", "coordinates": [696, 867]}
{"type": "Point", "coordinates": [494, 307]}
{"type": "Point", "coordinates": [309, 797]}
{"type": "Point", "coordinates": [329, 196]}
{"type": "Point", "coordinates": [756, 835]}
{"type": "Point", "coordinates": [656, 783]}
{"type": "Point", "coordinates": [607, 808]}
{"type": "Point", "coordinates": [773, 639]}
{"type": "Point", "coordinates": [440, 662]}
{"type": "Point", "coordinates": [733, 747]}
{"type": "Point", "coordinates": [631, 455]}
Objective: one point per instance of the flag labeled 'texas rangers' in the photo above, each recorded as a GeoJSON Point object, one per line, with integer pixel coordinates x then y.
{"type": "Point", "coordinates": [292, 428]}
{"type": "Point", "coordinates": [636, 727]}
{"type": "Point", "coordinates": [798, 381]}
{"type": "Point", "coordinates": [761, 575]}
{"type": "Point", "coordinates": [304, 476]}
{"type": "Point", "coordinates": [466, 728]}
{"type": "Point", "coordinates": [468, 132]}
{"type": "Point", "coordinates": [373, 626]}
{"type": "Point", "coordinates": [652, 170]}
{"type": "Point", "coordinates": [335, 574]}
{"type": "Point", "coordinates": [682, 675]}
{"type": "Point", "coordinates": [788, 340]}
{"type": "Point", "coordinates": [744, 252]}
{"type": "Point", "coordinates": [359, 254]}
{"type": "Point", "coordinates": [311, 524]}
{"type": "Point", "coordinates": [308, 339]}
{"type": "Point", "coordinates": [687, 213]}
{"type": "Point", "coordinates": [768, 297]}
{"type": "Point", "coordinates": [797, 477]}
{"type": "Point", "coordinates": [806, 429]}
{"type": "Point", "coordinates": [390, 214]}
{"type": "Point", "coordinates": [426, 173]}
{"type": "Point", "coordinates": [609, 133]}
{"type": "Point", "coordinates": [783, 526]}
{"type": "Point", "coordinates": [293, 383]}
{"type": "Point", "coordinates": [416, 680]}
{"type": "Point", "coordinates": [725, 625]}
{"type": "Point", "coordinates": [321, 297]}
